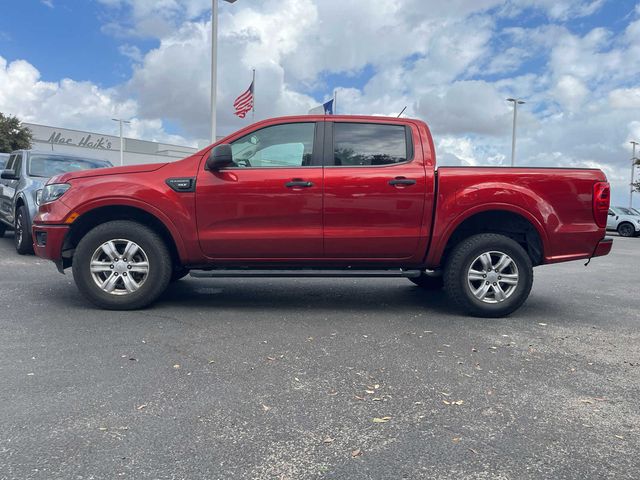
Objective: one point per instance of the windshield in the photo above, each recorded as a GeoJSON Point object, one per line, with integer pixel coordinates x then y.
{"type": "Point", "coordinates": [49, 165]}
{"type": "Point", "coordinates": [635, 211]}
{"type": "Point", "coordinates": [626, 211]}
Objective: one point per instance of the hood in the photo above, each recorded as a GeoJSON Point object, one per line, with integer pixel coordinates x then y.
{"type": "Point", "coordinates": [100, 172]}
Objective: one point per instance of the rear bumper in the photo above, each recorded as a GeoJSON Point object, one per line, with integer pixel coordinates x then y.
{"type": "Point", "coordinates": [48, 241]}
{"type": "Point", "coordinates": [603, 247]}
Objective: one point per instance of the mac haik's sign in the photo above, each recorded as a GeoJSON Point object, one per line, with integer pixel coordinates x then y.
{"type": "Point", "coordinates": [86, 141]}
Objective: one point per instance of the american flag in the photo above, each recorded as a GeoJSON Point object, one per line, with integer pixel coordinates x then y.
{"type": "Point", "coordinates": [244, 103]}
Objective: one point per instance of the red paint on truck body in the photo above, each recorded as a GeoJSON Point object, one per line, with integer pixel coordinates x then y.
{"type": "Point", "coordinates": [350, 216]}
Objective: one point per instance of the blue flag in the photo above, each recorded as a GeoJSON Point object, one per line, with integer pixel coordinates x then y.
{"type": "Point", "coordinates": [324, 109]}
{"type": "Point", "coordinates": [328, 107]}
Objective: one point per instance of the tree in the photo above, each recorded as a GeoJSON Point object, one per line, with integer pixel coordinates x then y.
{"type": "Point", "coordinates": [13, 135]}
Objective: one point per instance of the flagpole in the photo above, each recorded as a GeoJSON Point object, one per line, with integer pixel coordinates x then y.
{"type": "Point", "coordinates": [214, 64]}
{"type": "Point", "coordinates": [253, 107]}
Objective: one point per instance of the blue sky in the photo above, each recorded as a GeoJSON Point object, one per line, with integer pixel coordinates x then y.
{"type": "Point", "coordinates": [79, 63]}
{"type": "Point", "coordinates": [68, 39]}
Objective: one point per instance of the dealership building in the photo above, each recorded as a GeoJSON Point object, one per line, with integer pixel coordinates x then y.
{"type": "Point", "coordinates": [104, 147]}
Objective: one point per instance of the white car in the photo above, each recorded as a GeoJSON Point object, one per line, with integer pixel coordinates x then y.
{"type": "Point", "coordinates": [624, 220]}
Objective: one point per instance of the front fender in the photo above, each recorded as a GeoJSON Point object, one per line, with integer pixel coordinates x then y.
{"type": "Point", "coordinates": [121, 201]}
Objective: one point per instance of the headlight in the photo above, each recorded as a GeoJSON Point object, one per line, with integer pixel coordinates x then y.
{"type": "Point", "coordinates": [53, 192]}
{"type": "Point", "coordinates": [38, 197]}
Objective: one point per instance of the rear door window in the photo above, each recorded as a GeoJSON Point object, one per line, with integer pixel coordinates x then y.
{"type": "Point", "coordinates": [369, 144]}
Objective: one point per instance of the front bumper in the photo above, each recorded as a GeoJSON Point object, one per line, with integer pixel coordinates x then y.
{"type": "Point", "coordinates": [603, 247]}
{"type": "Point", "coordinates": [48, 241]}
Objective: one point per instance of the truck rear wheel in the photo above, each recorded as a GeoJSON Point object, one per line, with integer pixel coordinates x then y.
{"type": "Point", "coordinates": [3, 228]}
{"type": "Point", "coordinates": [488, 275]}
{"type": "Point", "coordinates": [122, 265]}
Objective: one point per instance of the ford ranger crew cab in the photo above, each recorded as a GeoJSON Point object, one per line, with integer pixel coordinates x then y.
{"type": "Point", "coordinates": [321, 196]}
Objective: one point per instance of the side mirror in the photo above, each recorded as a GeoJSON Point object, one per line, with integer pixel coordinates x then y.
{"type": "Point", "coordinates": [611, 214]}
{"type": "Point", "coordinates": [220, 157]}
{"type": "Point", "coordinates": [8, 175]}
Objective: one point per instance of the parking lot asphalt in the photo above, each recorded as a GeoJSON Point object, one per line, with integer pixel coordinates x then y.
{"type": "Point", "coordinates": [321, 378]}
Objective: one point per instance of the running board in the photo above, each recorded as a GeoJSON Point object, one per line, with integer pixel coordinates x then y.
{"type": "Point", "coordinates": [317, 273]}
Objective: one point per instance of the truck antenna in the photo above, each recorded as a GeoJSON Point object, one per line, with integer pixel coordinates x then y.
{"type": "Point", "coordinates": [400, 114]}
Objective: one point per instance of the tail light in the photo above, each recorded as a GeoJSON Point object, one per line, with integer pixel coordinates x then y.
{"type": "Point", "coordinates": [601, 199]}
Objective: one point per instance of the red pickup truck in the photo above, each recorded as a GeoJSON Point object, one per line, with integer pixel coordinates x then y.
{"type": "Point", "coordinates": [341, 196]}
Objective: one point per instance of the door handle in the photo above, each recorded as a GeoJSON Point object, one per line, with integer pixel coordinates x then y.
{"type": "Point", "coordinates": [295, 183]}
{"type": "Point", "coordinates": [401, 181]}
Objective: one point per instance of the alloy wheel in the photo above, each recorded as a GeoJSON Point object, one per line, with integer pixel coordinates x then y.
{"type": "Point", "coordinates": [493, 277]}
{"type": "Point", "coordinates": [119, 267]}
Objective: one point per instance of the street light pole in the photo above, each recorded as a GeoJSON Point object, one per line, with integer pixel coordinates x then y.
{"type": "Point", "coordinates": [516, 102]}
{"type": "Point", "coordinates": [120, 121]}
{"type": "Point", "coordinates": [214, 64]}
{"type": "Point", "coordinates": [633, 166]}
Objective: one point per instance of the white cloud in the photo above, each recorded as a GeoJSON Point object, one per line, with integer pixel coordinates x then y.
{"type": "Point", "coordinates": [625, 98]}
{"type": "Point", "coordinates": [570, 92]}
{"type": "Point", "coordinates": [70, 104]}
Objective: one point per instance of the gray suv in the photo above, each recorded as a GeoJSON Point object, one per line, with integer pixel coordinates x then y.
{"type": "Point", "coordinates": [21, 183]}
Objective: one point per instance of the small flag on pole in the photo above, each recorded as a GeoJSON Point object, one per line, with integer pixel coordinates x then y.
{"type": "Point", "coordinates": [324, 109]}
{"type": "Point", "coordinates": [244, 103]}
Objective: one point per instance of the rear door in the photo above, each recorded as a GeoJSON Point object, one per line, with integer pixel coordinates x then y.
{"type": "Point", "coordinates": [268, 205]}
{"type": "Point", "coordinates": [375, 191]}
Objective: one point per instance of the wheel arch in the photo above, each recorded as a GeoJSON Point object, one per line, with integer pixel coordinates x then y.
{"type": "Point", "coordinates": [507, 220]}
{"type": "Point", "coordinates": [93, 217]}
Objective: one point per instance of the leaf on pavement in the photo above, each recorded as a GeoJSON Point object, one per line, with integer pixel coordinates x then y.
{"type": "Point", "coordinates": [356, 453]}
{"type": "Point", "coordinates": [381, 419]}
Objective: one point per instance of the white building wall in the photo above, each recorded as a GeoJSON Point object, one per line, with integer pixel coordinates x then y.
{"type": "Point", "coordinates": [104, 147]}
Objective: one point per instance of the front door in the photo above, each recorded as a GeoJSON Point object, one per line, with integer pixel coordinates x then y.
{"type": "Point", "coordinates": [376, 189]}
{"type": "Point", "coordinates": [8, 189]}
{"type": "Point", "coordinates": [267, 206]}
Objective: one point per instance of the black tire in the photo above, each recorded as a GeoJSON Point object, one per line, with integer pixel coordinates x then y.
{"type": "Point", "coordinates": [158, 260]}
{"type": "Point", "coordinates": [428, 283]}
{"type": "Point", "coordinates": [179, 273]}
{"type": "Point", "coordinates": [459, 287]}
{"type": "Point", "coordinates": [22, 232]}
{"type": "Point", "coordinates": [3, 228]}
{"type": "Point", "coordinates": [626, 229]}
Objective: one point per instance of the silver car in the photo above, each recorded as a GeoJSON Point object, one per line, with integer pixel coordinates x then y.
{"type": "Point", "coordinates": [624, 221]}
{"type": "Point", "coordinates": [21, 183]}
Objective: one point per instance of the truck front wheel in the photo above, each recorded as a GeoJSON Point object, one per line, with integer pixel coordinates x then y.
{"type": "Point", "coordinates": [122, 265]}
{"type": "Point", "coordinates": [488, 275]}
